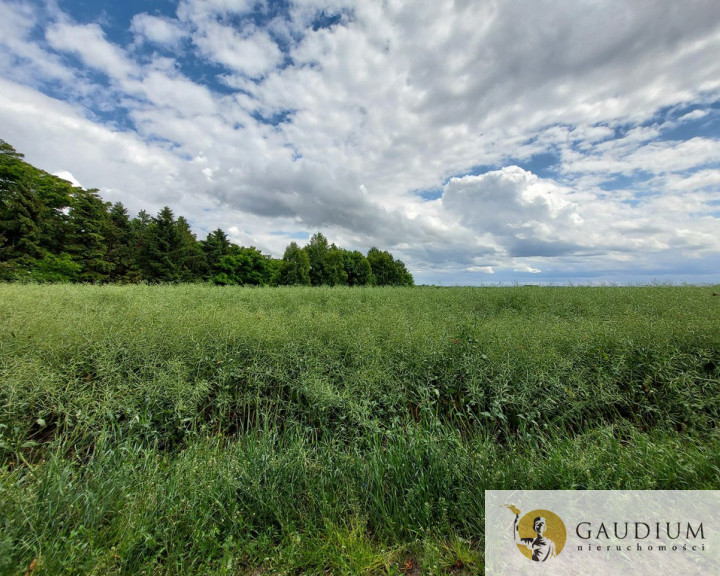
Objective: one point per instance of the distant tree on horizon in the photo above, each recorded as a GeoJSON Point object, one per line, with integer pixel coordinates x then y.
{"type": "Point", "coordinates": [294, 268]}
{"type": "Point", "coordinates": [358, 269]}
{"type": "Point", "coordinates": [387, 271]}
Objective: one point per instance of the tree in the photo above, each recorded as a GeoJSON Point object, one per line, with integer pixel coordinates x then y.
{"type": "Point", "coordinates": [52, 268]}
{"type": "Point", "coordinates": [189, 254]}
{"type": "Point", "coordinates": [334, 267]}
{"type": "Point", "coordinates": [245, 266]}
{"type": "Point", "coordinates": [86, 238]}
{"type": "Point", "coordinates": [215, 246]}
{"type": "Point", "coordinates": [295, 267]}
{"type": "Point", "coordinates": [120, 253]}
{"type": "Point", "coordinates": [160, 244]}
{"type": "Point", "coordinates": [20, 212]}
{"type": "Point", "coordinates": [386, 270]}
{"type": "Point", "coordinates": [56, 196]}
{"type": "Point", "coordinates": [317, 250]}
{"type": "Point", "coordinates": [169, 250]}
{"type": "Point", "coordinates": [358, 269]}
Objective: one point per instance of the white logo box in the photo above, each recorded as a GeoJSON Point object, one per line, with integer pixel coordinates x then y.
{"type": "Point", "coordinates": [613, 532]}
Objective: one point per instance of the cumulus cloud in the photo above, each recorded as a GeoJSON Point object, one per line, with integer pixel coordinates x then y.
{"type": "Point", "coordinates": [527, 215]}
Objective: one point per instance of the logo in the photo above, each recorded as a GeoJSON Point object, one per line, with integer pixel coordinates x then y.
{"type": "Point", "coordinates": [566, 532]}
{"type": "Point", "coordinates": [539, 535]}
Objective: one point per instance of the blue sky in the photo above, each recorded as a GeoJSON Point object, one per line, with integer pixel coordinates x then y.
{"type": "Point", "coordinates": [480, 142]}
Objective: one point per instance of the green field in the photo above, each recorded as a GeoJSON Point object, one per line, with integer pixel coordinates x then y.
{"type": "Point", "coordinates": [208, 430]}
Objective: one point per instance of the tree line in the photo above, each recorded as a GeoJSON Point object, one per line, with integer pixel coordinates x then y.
{"type": "Point", "coordinates": [52, 231]}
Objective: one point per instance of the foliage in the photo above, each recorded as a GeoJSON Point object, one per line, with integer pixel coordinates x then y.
{"type": "Point", "coordinates": [334, 267]}
{"type": "Point", "coordinates": [317, 250]}
{"type": "Point", "coordinates": [87, 231]}
{"type": "Point", "coordinates": [244, 267]}
{"type": "Point", "coordinates": [119, 239]}
{"type": "Point", "coordinates": [386, 270]}
{"type": "Point", "coordinates": [52, 268]}
{"type": "Point", "coordinates": [295, 267]}
{"type": "Point", "coordinates": [358, 269]}
{"type": "Point", "coordinates": [216, 246]}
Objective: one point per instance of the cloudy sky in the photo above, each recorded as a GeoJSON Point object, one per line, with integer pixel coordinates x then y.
{"type": "Point", "coordinates": [482, 142]}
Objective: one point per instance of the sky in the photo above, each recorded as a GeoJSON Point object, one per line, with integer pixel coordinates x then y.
{"type": "Point", "coordinates": [481, 142]}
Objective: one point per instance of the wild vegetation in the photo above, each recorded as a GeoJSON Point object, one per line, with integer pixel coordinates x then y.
{"type": "Point", "coordinates": [52, 231]}
{"type": "Point", "coordinates": [197, 429]}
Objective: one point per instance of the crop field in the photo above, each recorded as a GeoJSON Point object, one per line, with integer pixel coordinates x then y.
{"type": "Point", "coordinates": [329, 431]}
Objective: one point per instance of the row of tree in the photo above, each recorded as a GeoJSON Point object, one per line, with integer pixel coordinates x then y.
{"type": "Point", "coordinates": [52, 231]}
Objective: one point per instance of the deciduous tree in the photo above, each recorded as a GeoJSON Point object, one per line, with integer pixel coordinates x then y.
{"type": "Point", "coordinates": [295, 267]}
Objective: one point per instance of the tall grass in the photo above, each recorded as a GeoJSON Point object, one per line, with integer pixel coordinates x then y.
{"type": "Point", "coordinates": [197, 429]}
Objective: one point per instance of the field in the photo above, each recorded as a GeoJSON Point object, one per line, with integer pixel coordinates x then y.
{"type": "Point", "coordinates": [209, 430]}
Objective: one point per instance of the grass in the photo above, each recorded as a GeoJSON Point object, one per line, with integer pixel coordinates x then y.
{"type": "Point", "coordinates": [209, 430]}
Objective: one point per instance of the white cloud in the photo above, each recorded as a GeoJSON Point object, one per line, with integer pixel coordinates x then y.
{"type": "Point", "coordinates": [65, 175]}
{"type": "Point", "coordinates": [89, 43]}
{"type": "Point", "coordinates": [482, 269]}
{"type": "Point", "coordinates": [526, 268]}
{"type": "Point", "coordinates": [22, 59]}
{"type": "Point", "coordinates": [167, 89]}
{"type": "Point", "coordinates": [199, 11]}
{"type": "Point", "coordinates": [694, 115]}
{"type": "Point", "coordinates": [161, 31]}
{"type": "Point", "coordinates": [528, 216]}
{"type": "Point", "coordinates": [653, 157]}
{"type": "Point", "coordinates": [252, 53]}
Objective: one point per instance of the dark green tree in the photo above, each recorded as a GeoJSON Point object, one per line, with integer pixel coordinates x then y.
{"type": "Point", "coordinates": [334, 267]}
{"type": "Point", "coordinates": [357, 268]}
{"type": "Point", "coordinates": [386, 270]}
{"type": "Point", "coordinates": [244, 267]}
{"type": "Point", "coordinates": [190, 255]}
{"type": "Point", "coordinates": [216, 246]}
{"type": "Point", "coordinates": [317, 250]}
{"type": "Point", "coordinates": [20, 215]}
{"type": "Point", "coordinates": [294, 268]}
{"type": "Point", "coordinates": [88, 226]}
{"type": "Point", "coordinates": [120, 251]}
{"type": "Point", "coordinates": [168, 250]}
{"type": "Point", "coordinates": [160, 245]}
{"type": "Point", "coordinates": [54, 268]}
{"type": "Point", "coordinates": [56, 197]}
{"type": "Point", "coordinates": [273, 270]}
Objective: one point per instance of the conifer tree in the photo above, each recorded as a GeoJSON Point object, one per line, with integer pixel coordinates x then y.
{"type": "Point", "coordinates": [189, 254]}
{"type": "Point", "coordinates": [120, 246]}
{"type": "Point", "coordinates": [20, 213]}
{"type": "Point", "coordinates": [215, 246]}
{"type": "Point", "coordinates": [159, 244]}
{"type": "Point", "coordinates": [88, 226]}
